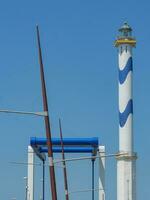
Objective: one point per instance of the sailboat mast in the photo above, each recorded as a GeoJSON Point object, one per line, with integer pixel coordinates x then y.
{"type": "Point", "coordinates": [47, 122]}
{"type": "Point", "coordinates": [64, 163]}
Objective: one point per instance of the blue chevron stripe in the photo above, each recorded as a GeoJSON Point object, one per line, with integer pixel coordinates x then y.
{"type": "Point", "coordinates": [123, 73]}
{"type": "Point", "coordinates": [124, 116]}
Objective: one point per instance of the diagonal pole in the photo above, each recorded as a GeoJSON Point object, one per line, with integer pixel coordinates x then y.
{"type": "Point", "coordinates": [47, 122]}
{"type": "Point", "coordinates": [64, 163]}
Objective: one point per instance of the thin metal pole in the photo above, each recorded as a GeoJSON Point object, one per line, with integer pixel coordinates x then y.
{"type": "Point", "coordinates": [64, 163]}
{"type": "Point", "coordinates": [43, 179]}
{"type": "Point", "coordinates": [47, 122]}
{"type": "Point", "coordinates": [93, 179]}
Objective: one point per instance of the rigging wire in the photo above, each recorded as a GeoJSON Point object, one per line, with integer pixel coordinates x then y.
{"type": "Point", "coordinates": [84, 190]}
{"type": "Point", "coordinates": [44, 113]}
{"type": "Point", "coordinates": [56, 161]}
{"type": "Point", "coordinates": [87, 158]}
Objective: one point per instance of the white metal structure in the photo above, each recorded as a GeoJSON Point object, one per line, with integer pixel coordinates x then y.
{"type": "Point", "coordinates": [31, 166]}
{"type": "Point", "coordinates": [126, 182]}
{"type": "Point", "coordinates": [30, 179]}
{"type": "Point", "coordinates": [101, 172]}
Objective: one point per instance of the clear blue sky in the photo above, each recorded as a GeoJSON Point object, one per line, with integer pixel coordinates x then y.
{"type": "Point", "coordinates": [82, 82]}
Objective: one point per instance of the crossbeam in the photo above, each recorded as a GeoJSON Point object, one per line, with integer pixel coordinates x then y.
{"type": "Point", "coordinates": [34, 141]}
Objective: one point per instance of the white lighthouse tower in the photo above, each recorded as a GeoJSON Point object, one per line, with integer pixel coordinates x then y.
{"type": "Point", "coordinates": [126, 168]}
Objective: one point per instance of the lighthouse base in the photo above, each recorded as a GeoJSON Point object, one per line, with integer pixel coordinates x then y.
{"type": "Point", "coordinates": [126, 179]}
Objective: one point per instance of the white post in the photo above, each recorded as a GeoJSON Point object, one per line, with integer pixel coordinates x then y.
{"type": "Point", "coordinates": [30, 185]}
{"type": "Point", "coordinates": [102, 173]}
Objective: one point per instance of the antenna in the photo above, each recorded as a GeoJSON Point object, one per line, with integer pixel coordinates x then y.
{"type": "Point", "coordinates": [47, 122]}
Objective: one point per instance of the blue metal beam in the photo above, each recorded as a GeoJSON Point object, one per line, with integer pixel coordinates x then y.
{"type": "Point", "coordinates": [66, 141]}
{"type": "Point", "coordinates": [69, 150]}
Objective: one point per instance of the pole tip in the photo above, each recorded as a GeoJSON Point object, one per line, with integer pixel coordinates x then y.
{"type": "Point", "coordinates": [37, 27]}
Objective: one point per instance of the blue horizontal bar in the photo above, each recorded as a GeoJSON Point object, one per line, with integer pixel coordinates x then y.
{"type": "Point", "coordinates": [66, 141]}
{"type": "Point", "coordinates": [69, 150]}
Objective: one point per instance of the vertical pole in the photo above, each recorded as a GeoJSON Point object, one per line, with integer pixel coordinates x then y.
{"type": "Point", "coordinates": [47, 123]}
{"type": "Point", "coordinates": [64, 163]}
{"type": "Point", "coordinates": [43, 180]}
{"type": "Point", "coordinates": [30, 177]}
{"type": "Point", "coordinates": [93, 185]}
{"type": "Point", "coordinates": [102, 173]}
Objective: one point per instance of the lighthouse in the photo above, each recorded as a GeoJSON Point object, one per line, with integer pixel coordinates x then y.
{"type": "Point", "coordinates": [126, 158]}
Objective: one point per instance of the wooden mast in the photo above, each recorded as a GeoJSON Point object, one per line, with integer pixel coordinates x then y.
{"type": "Point", "coordinates": [64, 163]}
{"type": "Point", "coordinates": [47, 122]}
